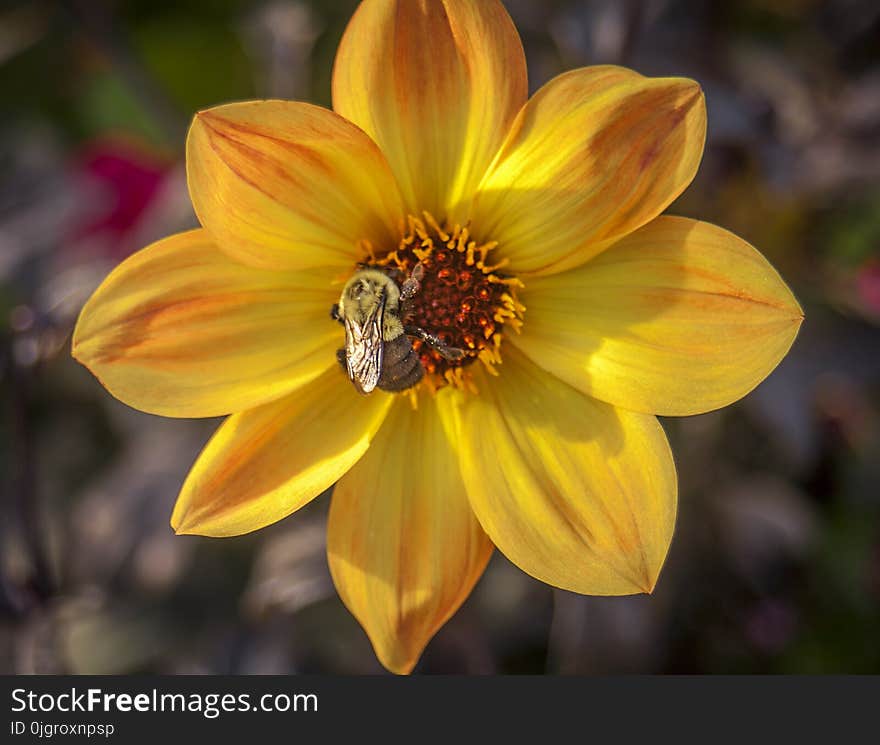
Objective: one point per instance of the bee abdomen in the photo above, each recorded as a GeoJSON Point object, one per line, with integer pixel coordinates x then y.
{"type": "Point", "coordinates": [401, 367]}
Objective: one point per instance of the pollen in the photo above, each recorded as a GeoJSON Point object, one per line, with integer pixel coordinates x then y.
{"type": "Point", "coordinates": [465, 300]}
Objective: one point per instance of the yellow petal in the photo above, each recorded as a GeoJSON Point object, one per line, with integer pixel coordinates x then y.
{"type": "Point", "coordinates": [595, 154]}
{"type": "Point", "coordinates": [404, 547]}
{"type": "Point", "coordinates": [288, 185]}
{"type": "Point", "coordinates": [679, 318]}
{"type": "Point", "coordinates": [436, 85]}
{"type": "Point", "coordinates": [180, 329]}
{"type": "Point", "coordinates": [261, 465]}
{"type": "Point", "coordinates": [573, 491]}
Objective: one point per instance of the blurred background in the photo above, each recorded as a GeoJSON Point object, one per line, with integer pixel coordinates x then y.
{"type": "Point", "coordinates": [775, 566]}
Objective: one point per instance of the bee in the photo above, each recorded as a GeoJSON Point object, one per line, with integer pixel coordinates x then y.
{"type": "Point", "coordinates": [378, 349]}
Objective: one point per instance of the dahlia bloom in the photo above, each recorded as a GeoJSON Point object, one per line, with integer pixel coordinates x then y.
{"type": "Point", "coordinates": [581, 313]}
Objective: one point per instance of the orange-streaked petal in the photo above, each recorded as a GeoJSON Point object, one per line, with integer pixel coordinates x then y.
{"type": "Point", "coordinates": [678, 318]}
{"type": "Point", "coordinates": [180, 329]}
{"type": "Point", "coordinates": [595, 154]}
{"type": "Point", "coordinates": [404, 547]}
{"type": "Point", "coordinates": [436, 85]}
{"type": "Point", "coordinates": [261, 465]}
{"type": "Point", "coordinates": [573, 491]}
{"type": "Point", "coordinates": [288, 185]}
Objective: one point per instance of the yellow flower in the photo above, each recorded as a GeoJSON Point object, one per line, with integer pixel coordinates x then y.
{"type": "Point", "coordinates": [581, 312]}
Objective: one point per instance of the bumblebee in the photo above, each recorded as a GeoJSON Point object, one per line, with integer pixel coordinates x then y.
{"type": "Point", "coordinates": [378, 350]}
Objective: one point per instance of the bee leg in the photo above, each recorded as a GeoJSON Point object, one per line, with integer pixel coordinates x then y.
{"type": "Point", "coordinates": [342, 359]}
{"type": "Point", "coordinates": [335, 314]}
{"type": "Point", "coordinates": [413, 283]}
{"type": "Point", "coordinates": [453, 354]}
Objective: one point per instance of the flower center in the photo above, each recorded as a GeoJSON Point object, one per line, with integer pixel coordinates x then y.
{"type": "Point", "coordinates": [463, 300]}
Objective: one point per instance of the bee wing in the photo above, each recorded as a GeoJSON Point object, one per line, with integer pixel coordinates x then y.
{"type": "Point", "coordinates": [364, 348]}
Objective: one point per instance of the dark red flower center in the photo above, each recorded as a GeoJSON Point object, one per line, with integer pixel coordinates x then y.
{"type": "Point", "coordinates": [463, 299]}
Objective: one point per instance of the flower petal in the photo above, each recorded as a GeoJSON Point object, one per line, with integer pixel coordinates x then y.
{"type": "Point", "coordinates": [180, 329]}
{"type": "Point", "coordinates": [288, 185]}
{"type": "Point", "coordinates": [436, 85]}
{"type": "Point", "coordinates": [404, 547]}
{"type": "Point", "coordinates": [575, 492]}
{"type": "Point", "coordinates": [261, 465]}
{"type": "Point", "coordinates": [679, 318]}
{"type": "Point", "coordinates": [595, 154]}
